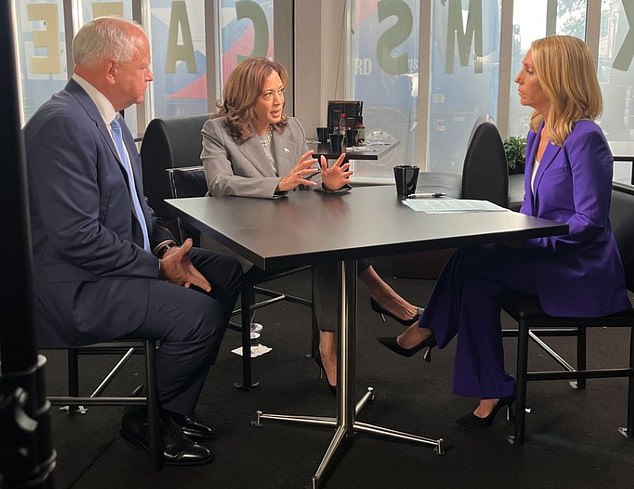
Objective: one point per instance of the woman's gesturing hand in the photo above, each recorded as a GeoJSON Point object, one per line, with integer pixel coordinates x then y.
{"type": "Point", "coordinates": [299, 174]}
{"type": "Point", "coordinates": [336, 176]}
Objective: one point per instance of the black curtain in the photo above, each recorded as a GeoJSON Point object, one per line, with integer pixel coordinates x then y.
{"type": "Point", "coordinates": [27, 458]}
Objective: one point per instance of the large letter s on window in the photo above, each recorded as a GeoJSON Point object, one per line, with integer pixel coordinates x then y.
{"type": "Point", "coordinates": [394, 36]}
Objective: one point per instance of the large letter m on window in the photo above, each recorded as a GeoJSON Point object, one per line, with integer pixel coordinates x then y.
{"type": "Point", "coordinates": [455, 32]}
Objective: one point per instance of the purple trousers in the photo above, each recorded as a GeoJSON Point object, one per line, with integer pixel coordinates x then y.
{"type": "Point", "coordinates": [464, 303]}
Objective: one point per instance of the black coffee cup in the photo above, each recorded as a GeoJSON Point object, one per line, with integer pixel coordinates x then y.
{"type": "Point", "coordinates": [406, 178]}
{"type": "Point", "coordinates": [336, 143]}
{"type": "Point", "coordinates": [352, 137]}
{"type": "Point", "coordinates": [322, 135]}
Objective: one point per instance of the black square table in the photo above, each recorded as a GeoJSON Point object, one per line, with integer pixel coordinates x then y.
{"type": "Point", "coordinates": [310, 227]}
{"type": "Point", "coordinates": [366, 152]}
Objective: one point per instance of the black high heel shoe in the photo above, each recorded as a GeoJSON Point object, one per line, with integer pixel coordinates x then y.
{"type": "Point", "coordinates": [470, 420]}
{"type": "Point", "coordinates": [384, 312]}
{"type": "Point", "coordinates": [392, 344]}
{"type": "Point", "coordinates": [322, 373]}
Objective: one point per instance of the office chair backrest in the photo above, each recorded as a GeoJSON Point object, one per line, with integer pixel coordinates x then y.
{"type": "Point", "coordinates": [168, 143]}
{"type": "Point", "coordinates": [485, 172]}
{"type": "Point", "coordinates": [621, 214]}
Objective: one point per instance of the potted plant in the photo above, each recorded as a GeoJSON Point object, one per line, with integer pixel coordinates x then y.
{"type": "Point", "coordinates": [515, 150]}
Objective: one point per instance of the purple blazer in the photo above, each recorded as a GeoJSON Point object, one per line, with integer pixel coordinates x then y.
{"type": "Point", "coordinates": [581, 273]}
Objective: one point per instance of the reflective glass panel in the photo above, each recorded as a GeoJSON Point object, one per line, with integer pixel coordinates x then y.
{"type": "Point", "coordinates": [42, 52]}
{"type": "Point", "coordinates": [179, 57]}
{"type": "Point", "coordinates": [534, 20]}
{"type": "Point", "coordinates": [616, 76]}
{"type": "Point", "coordinates": [385, 78]}
{"type": "Point", "coordinates": [98, 8]}
{"type": "Point", "coordinates": [464, 77]}
{"type": "Point", "coordinates": [246, 29]}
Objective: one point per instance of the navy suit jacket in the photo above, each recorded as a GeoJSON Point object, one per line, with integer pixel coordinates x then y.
{"type": "Point", "coordinates": [82, 222]}
{"type": "Point", "coordinates": [580, 273]}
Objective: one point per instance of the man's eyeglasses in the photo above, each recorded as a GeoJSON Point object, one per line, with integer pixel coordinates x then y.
{"type": "Point", "coordinates": [268, 95]}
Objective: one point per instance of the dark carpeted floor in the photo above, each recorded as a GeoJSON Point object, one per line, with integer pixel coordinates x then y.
{"type": "Point", "coordinates": [572, 443]}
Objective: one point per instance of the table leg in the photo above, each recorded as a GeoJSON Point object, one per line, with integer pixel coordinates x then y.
{"type": "Point", "coordinates": [345, 365]}
{"type": "Point", "coordinates": [347, 408]}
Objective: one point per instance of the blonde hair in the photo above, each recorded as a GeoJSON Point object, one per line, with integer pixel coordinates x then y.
{"type": "Point", "coordinates": [242, 90]}
{"type": "Point", "coordinates": [567, 75]}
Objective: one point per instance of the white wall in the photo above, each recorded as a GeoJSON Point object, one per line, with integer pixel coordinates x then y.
{"type": "Point", "coordinates": [320, 59]}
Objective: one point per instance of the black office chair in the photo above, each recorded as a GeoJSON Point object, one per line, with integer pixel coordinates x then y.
{"type": "Point", "coordinates": [172, 147]}
{"type": "Point", "coordinates": [168, 143]}
{"type": "Point", "coordinates": [75, 403]}
{"type": "Point", "coordinates": [535, 324]}
{"type": "Point", "coordinates": [188, 181]}
{"type": "Point", "coordinates": [484, 176]}
{"type": "Point", "coordinates": [485, 173]}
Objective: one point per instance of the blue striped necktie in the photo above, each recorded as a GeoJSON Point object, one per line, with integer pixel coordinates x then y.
{"type": "Point", "coordinates": [125, 160]}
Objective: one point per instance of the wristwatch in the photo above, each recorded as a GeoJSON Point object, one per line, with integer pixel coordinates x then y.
{"type": "Point", "coordinates": [163, 247]}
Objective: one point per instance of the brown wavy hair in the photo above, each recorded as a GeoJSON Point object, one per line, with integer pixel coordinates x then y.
{"type": "Point", "coordinates": [243, 87]}
{"type": "Point", "coordinates": [567, 74]}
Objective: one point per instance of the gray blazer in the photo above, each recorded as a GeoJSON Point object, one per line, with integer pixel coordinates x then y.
{"type": "Point", "coordinates": [244, 169]}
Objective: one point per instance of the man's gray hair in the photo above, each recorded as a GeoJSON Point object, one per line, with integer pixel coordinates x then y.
{"type": "Point", "coordinates": [104, 38]}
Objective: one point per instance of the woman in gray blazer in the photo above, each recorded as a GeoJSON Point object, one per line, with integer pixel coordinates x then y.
{"type": "Point", "coordinates": [252, 149]}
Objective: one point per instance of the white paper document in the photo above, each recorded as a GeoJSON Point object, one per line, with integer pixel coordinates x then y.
{"type": "Point", "coordinates": [256, 350]}
{"type": "Point", "coordinates": [442, 206]}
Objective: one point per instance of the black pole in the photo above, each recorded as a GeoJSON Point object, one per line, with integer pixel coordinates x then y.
{"type": "Point", "coordinates": [27, 458]}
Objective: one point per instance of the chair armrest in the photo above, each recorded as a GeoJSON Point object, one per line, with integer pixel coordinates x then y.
{"type": "Point", "coordinates": [188, 181]}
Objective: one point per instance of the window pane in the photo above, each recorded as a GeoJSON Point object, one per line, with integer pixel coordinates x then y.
{"type": "Point", "coordinates": [246, 29]}
{"type": "Point", "coordinates": [616, 76]}
{"type": "Point", "coordinates": [98, 8]}
{"type": "Point", "coordinates": [616, 72]}
{"type": "Point", "coordinates": [533, 20]}
{"type": "Point", "coordinates": [179, 57]}
{"type": "Point", "coordinates": [464, 77]}
{"type": "Point", "coordinates": [91, 9]}
{"type": "Point", "coordinates": [385, 77]}
{"type": "Point", "coordinates": [42, 51]}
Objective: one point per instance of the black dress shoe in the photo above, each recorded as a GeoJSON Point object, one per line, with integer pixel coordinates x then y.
{"type": "Point", "coordinates": [177, 448]}
{"type": "Point", "coordinates": [322, 372]}
{"type": "Point", "coordinates": [192, 429]}
{"type": "Point", "coordinates": [391, 343]}
{"type": "Point", "coordinates": [470, 420]}
{"type": "Point", "coordinates": [384, 312]}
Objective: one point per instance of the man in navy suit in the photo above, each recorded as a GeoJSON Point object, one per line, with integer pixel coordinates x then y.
{"type": "Point", "coordinates": [103, 266]}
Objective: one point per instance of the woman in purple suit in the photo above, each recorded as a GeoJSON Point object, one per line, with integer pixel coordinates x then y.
{"type": "Point", "coordinates": [569, 180]}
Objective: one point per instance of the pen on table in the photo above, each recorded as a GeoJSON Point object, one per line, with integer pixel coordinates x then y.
{"type": "Point", "coordinates": [426, 195]}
